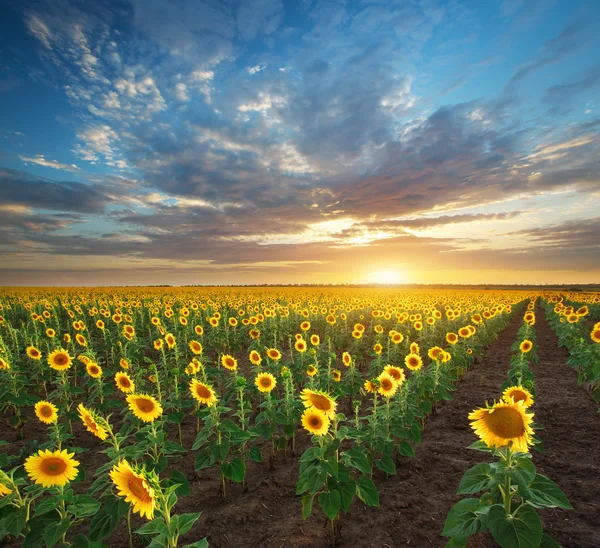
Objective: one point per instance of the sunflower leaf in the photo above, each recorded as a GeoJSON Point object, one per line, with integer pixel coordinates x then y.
{"type": "Point", "coordinates": [520, 530]}
{"type": "Point", "coordinates": [307, 503]}
{"type": "Point", "coordinates": [463, 519]}
{"type": "Point", "coordinates": [544, 493]}
{"type": "Point", "coordinates": [331, 503]}
{"type": "Point", "coordinates": [367, 492]}
{"type": "Point", "coordinates": [476, 479]}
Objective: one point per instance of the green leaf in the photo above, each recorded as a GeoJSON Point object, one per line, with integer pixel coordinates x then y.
{"type": "Point", "coordinates": [307, 503]}
{"type": "Point", "coordinates": [184, 485]}
{"type": "Point", "coordinates": [523, 530]}
{"type": "Point", "coordinates": [84, 506]}
{"type": "Point", "coordinates": [367, 492]}
{"type": "Point", "coordinates": [457, 542]}
{"type": "Point", "coordinates": [480, 446]}
{"type": "Point", "coordinates": [476, 479]}
{"type": "Point", "coordinates": [186, 521]}
{"type": "Point", "coordinates": [331, 503]}
{"type": "Point", "coordinates": [347, 491]}
{"type": "Point", "coordinates": [81, 541]}
{"type": "Point", "coordinates": [105, 521]}
{"type": "Point", "coordinates": [220, 450]}
{"type": "Point", "coordinates": [46, 506]}
{"type": "Point", "coordinates": [234, 470]}
{"type": "Point", "coordinates": [254, 454]}
{"type": "Point", "coordinates": [54, 531]}
{"type": "Point", "coordinates": [548, 542]}
{"type": "Point", "coordinates": [357, 459]}
{"type": "Point", "coordinates": [156, 526]}
{"type": "Point", "coordinates": [203, 460]}
{"type": "Point", "coordinates": [544, 493]}
{"type": "Point", "coordinates": [386, 464]}
{"type": "Point", "coordinates": [462, 520]}
{"type": "Point", "coordinates": [406, 449]}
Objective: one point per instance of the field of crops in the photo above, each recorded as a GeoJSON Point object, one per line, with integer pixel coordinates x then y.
{"type": "Point", "coordinates": [298, 417]}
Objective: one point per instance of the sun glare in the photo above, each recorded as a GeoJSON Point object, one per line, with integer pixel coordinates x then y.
{"type": "Point", "coordinates": [387, 277]}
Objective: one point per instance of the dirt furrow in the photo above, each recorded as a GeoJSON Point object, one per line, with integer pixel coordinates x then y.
{"type": "Point", "coordinates": [571, 432]}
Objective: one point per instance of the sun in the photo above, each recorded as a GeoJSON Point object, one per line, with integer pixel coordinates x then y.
{"type": "Point", "coordinates": [386, 277]}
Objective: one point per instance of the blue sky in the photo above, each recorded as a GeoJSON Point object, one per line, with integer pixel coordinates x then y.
{"type": "Point", "coordinates": [146, 141]}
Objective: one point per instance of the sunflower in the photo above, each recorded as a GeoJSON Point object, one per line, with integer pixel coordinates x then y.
{"type": "Point", "coordinates": [50, 333]}
{"type": "Point", "coordinates": [33, 353]}
{"type": "Point", "coordinates": [60, 360]}
{"type": "Point", "coordinates": [387, 385]}
{"type": "Point", "coordinates": [320, 400]}
{"type": "Point", "coordinates": [525, 346]}
{"type": "Point", "coordinates": [254, 334]}
{"type": "Point", "coordinates": [91, 422]}
{"type": "Point", "coordinates": [311, 370]}
{"type": "Point", "coordinates": [265, 382]}
{"type": "Point", "coordinates": [346, 359]}
{"type": "Point", "coordinates": [93, 370]}
{"type": "Point", "coordinates": [315, 421]}
{"type": "Point", "coordinates": [158, 344]}
{"type": "Point", "coordinates": [336, 375]}
{"type": "Point", "coordinates": [124, 382]}
{"type": "Point", "coordinates": [4, 364]}
{"type": "Point", "coordinates": [203, 393]}
{"type": "Point", "coordinates": [413, 362]}
{"type": "Point", "coordinates": [134, 486]}
{"type": "Point", "coordinates": [80, 340]}
{"type": "Point", "coordinates": [451, 338]}
{"type": "Point", "coordinates": [233, 322]}
{"type": "Point", "coordinates": [595, 334]}
{"type": "Point", "coordinates": [377, 348]}
{"type": "Point", "coordinates": [229, 362]}
{"type": "Point", "coordinates": [435, 353]}
{"type": "Point", "coordinates": [51, 468]}
{"type": "Point", "coordinates": [193, 367]}
{"type": "Point", "coordinates": [124, 363]}
{"type": "Point", "coordinates": [397, 373]}
{"type": "Point", "coordinates": [502, 423]}
{"type": "Point", "coordinates": [414, 348]}
{"type": "Point", "coordinates": [518, 393]}
{"type": "Point", "coordinates": [464, 332]}
{"type": "Point", "coordinates": [144, 407]}
{"type": "Point", "coordinates": [199, 330]}
{"type": "Point", "coordinates": [300, 345]}
{"type": "Point", "coordinates": [274, 354]}
{"type": "Point", "coordinates": [305, 326]}
{"type": "Point", "coordinates": [46, 412]}
{"type": "Point", "coordinates": [214, 322]}
{"type": "Point", "coordinates": [4, 490]}
{"type": "Point", "coordinates": [255, 358]}
{"type": "Point", "coordinates": [170, 340]}
{"type": "Point", "coordinates": [396, 337]}
{"type": "Point", "coordinates": [195, 347]}
{"type": "Point", "coordinates": [357, 334]}
{"type": "Point", "coordinates": [370, 387]}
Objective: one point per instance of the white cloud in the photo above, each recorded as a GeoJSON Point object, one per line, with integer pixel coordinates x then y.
{"type": "Point", "coordinates": [41, 161]}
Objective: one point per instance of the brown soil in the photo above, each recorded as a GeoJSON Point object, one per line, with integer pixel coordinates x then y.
{"type": "Point", "coordinates": [415, 502]}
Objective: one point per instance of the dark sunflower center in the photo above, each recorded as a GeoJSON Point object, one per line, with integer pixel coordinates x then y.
{"type": "Point", "coordinates": [53, 466]}
{"type": "Point", "coordinates": [60, 359]}
{"type": "Point", "coordinates": [505, 422]}
{"type": "Point", "coordinates": [136, 486]}
{"type": "Point", "coordinates": [46, 411]}
{"type": "Point", "coordinates": [202, 391]}
{"type": "Point", "coordinates": [315, 422]}
{"type": "Point", "coordinates": [145, 406]}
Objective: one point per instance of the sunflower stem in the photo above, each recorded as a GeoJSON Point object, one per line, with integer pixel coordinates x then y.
{"type": "Point", "coordinates": [129, 528]}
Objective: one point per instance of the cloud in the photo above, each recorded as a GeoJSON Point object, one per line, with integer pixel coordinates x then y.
{"type": "Point", "coordinates": [20, 188]}
{"type": "Point", "coordinates": [561, 93]}
{"type": "Point", "coordinates": [41, 161]}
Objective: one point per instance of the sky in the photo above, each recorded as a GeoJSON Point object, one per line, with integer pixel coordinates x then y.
{"type": "Point", "coordinates": [268, 141]}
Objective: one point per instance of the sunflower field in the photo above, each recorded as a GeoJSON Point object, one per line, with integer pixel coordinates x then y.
{"type": "Point", "coordinates": [120, 403]}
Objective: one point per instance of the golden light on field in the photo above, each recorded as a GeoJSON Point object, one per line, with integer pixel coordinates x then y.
{"type": "Point", "coordinates": [387, 277]}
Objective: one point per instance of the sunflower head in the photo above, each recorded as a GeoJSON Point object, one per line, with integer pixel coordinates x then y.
{"type": "Point", "coordinates": [346, 359]}
{"type": "Point", "coordinates": [311, 370]}
{"type": "Point", "coordinates": [195, 347]}
{"type": "Point", "coordinates": [387, 385]}
{"type": "Point", "coordinates": [518, 393]}
{"type": "Point", "coordinates": [51, 468]}
{"type": "Point", "coordinates": [229, 362]}
{"type": "Point", "coordinates": [93, 370]}
{"type": "Point", "coordinates": [203, 393]}
{"type": "Point", "coordinates": [92, 422]}
{"type": "Point", "coordinates": [525, 346]}
{"type": "Point", "coordinates": [46, 412]}
{"type": "Point", "coordinates": [274, 354]}
{"type": "Point", "coordinates": [144, 407]}
{"type": "Point", "coordinates": [135, 486]}
{"type": "Point", "coordinates": [60, 360]}
{"type": "Point", "coordinates": [255, 358]}
{"type": "Point", "coordinates": [265, 382]}
{"type": "Point", "coordinates": [595, 333]}
{"type": "Point", "coordinates": [336, 375]}
{"type": "Point", "coordinates": [503, 423]}
{"type": "Point", "coordinates": [315, 421]}
{"type": "Point", "coordinates": [397, 373]}
{"type": "Point", "coordinates": [300, 345]}
{"type": "Point", "coordinates": [4, 363]}
{"type": "Point", "coordinates": [413, 361]}
{"type": "Point", "coordinates": [319, 400]}
{"type": "Point", "coordinates": [124, 383]}
{"type": "Point", "coordinates": [33, 353]}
